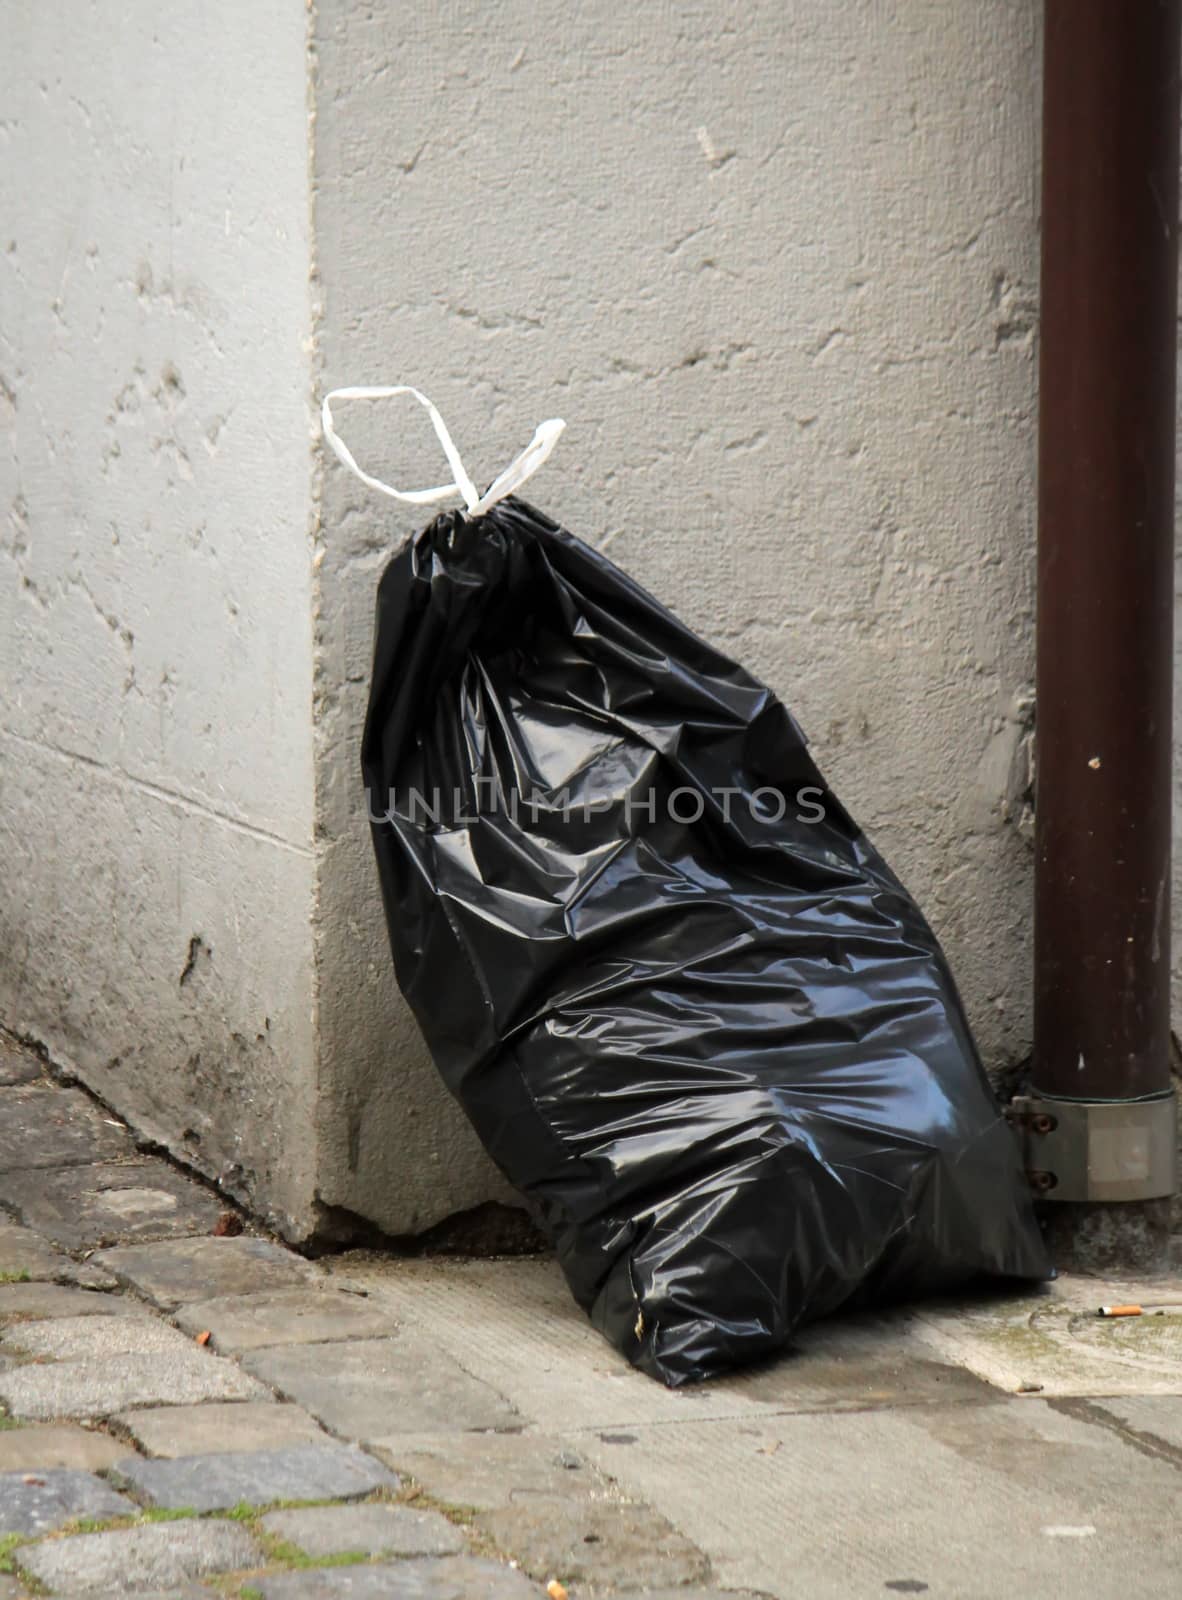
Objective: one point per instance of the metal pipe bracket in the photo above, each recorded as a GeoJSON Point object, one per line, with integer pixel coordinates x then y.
{"type": "Point", "coordinates": [1099, 1149]}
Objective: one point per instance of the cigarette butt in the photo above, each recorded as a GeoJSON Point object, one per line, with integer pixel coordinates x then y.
{"type": "Point", "coordinates": [1119, 1311]}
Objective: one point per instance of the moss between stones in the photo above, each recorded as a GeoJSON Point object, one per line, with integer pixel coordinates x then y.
{"type": "Point", "coordinates": [462, 1517]}
{"type": "Point", "coordinates": [293, 1558]}
{"type": "Point", "coordinates": [19, 1276]}
{"type": "Point", "coordinates": [279, 1555]}
{"type": "Point", "coordinates": [132, 1519]}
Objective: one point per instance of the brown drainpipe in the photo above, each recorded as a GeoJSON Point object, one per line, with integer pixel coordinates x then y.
{"type": "Point", "coordinates": [1101, 1121]}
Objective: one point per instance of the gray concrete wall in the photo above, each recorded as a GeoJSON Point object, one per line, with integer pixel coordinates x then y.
{"type": "Point", "coordinates": [776, 265]}
{"type": "Point", "coordinates": [155, 580]}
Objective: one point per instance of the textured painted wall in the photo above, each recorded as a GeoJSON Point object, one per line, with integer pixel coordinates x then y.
{"type": "Point", "coordinates": [776, 265]}
{"type": "Point", "coordinates": [155, 570]}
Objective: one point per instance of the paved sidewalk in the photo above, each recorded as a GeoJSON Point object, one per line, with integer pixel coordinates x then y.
{"type": "Point", "coordinates": [185, 1411]}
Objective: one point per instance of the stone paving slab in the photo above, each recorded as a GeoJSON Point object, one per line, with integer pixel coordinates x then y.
{"type": "Point", "coordinates": [13, 1589]}
{"type": "Point", "coordinates": [130, 1559]}
{"type": "Point", "coordinates": [177, 1272]}
{"type": "Point", "coordinates": [110, 1203]}
{"type": "Point", "coordinates": [1151, 1421]}
{"type": "Point", "coordinates": [258, 1477]}
{"type": "Point", "coordinates": [22, 1250]}
{"type": "Point", "coordinates": [101, 1388]}
{"type": "Point", "coordinates": [75, 1338]}
{"type": "Point", "coordinates": [611, 1543]}
{"type": "Point", "coordinates": [187, 1591]}
{"type": "Point", "coordinates": [515, 1324]}
{"type": "Point", "coordinates": [43, 1125]}
{"type": "Point", "coordinates": [378, 1388]}
{"type": "Point", "coordinates": [378, 1530]}
{"type": "Point", "coordinates": [488, 1471]}
{"type": "Point", "coordinates": [62, 1444]}
{"type": "Point", "coordinates": [36, 1503]}
{"type": "Point", "coordinates": [1011, 1498]}
{"type": "Point", "coordinates": [18, 1064]}
{"type": "Point", "coordinates": [446, 1578]}
{"type": "Point", "coordinates": [1050, 1339]}
{"type": "Point", "coordinates": [539, 1499]}
{"type": "Point", "coordinates": [693, 1592]}
{"type": "Point", "coordinates": [285, 1316]}
{"type": "Point", "coordinates": [214, 1428]}
{"type": "Point", "coordinates": [35, 1301]}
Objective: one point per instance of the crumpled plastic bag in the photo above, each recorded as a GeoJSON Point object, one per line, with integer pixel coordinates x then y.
{"type": "Point", "coordinates": [690, 1011]}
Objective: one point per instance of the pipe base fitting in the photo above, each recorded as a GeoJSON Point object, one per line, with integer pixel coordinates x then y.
{"type": "Point", "coordinates": [1099, 1149]}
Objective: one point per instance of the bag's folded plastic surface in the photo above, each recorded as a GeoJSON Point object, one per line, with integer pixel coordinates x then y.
{"type": "Point", "coordinates": [690, 1011]}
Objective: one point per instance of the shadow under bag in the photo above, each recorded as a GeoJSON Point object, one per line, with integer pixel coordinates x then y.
{"type": "Point", "coordinates": [689, 1010]}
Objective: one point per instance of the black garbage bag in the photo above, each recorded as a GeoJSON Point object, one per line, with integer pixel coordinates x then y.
{"type": "Point", "coordinates": [690, 1011]}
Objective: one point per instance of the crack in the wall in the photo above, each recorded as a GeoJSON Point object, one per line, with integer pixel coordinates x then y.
{"type": "Point", "coordinates": [679, 244]}
{"type": "Point", "coordinates": [158, 791]}
{"type": "Point", "coordinates": [747, 445]}
{"type": "Point", "coordinates": [828, 341]}
{"type": "Point", "coordinates": [199, 951]}
{"type": "Point", "coordinates": [501, 322]}
{"type": "Point", "coordinates": [719, 359]}
{"type": "Point", "coordinates": [77, 580]}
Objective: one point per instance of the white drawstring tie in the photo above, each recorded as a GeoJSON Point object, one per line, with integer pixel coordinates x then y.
{"type": "Point", "coordinates": [515, 474]}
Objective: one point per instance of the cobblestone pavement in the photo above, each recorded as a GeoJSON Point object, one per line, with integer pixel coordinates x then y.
{"type": "Point", "coordinates": [185, 1412]}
